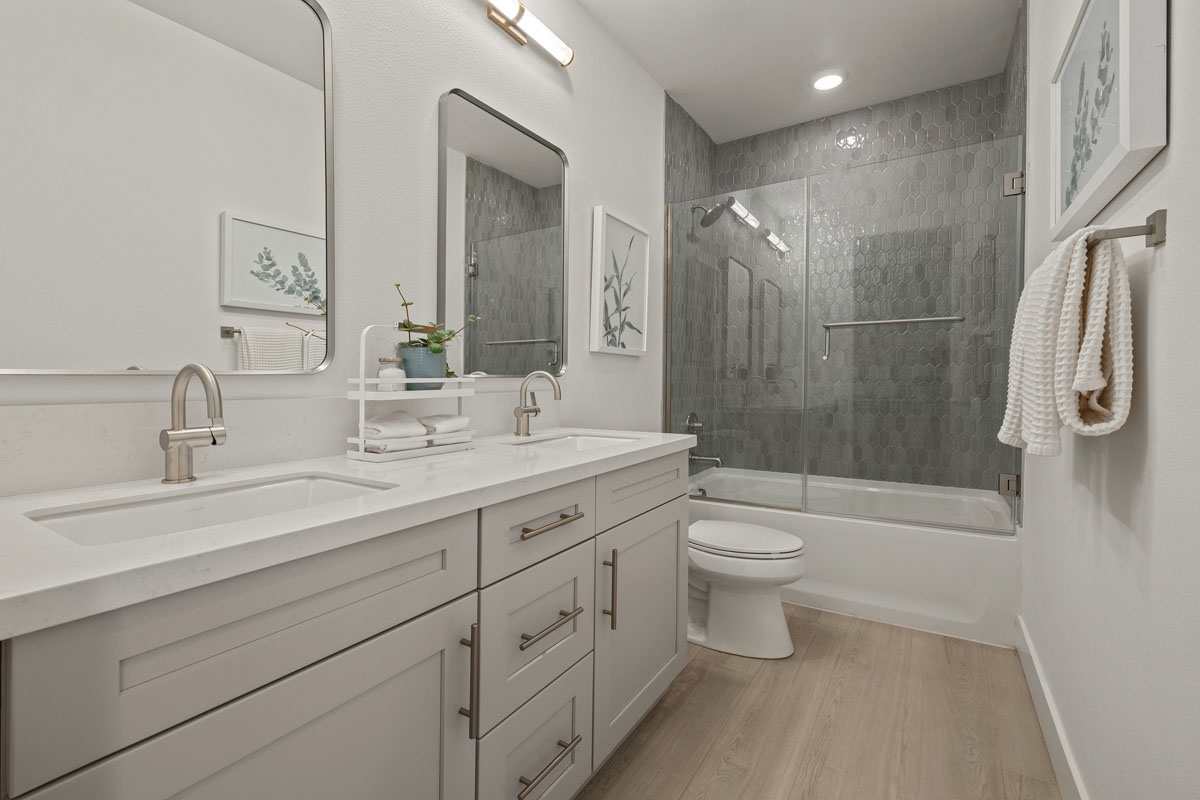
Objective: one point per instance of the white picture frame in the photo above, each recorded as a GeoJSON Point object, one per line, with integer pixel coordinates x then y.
{"type": "Point", "coordinates": [242, 240]}
{"type": "Point", "coordinates": [1115, 123]}
{"type": "Point", "coordinates": [620, 254]}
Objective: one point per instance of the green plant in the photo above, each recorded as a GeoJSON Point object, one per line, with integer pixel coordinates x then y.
{"type": "Point", "coordinates": [1089, 112]}
{"type": "Point", "coordinates": [436, 335]}
{"type": "Point", "coordinates": [615, 316]}
{"type": "Point", "coordinates": [303, 282]}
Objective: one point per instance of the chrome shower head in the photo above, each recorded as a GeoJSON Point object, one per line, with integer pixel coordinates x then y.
{"type": "Point", "coordinates": [711, 215]}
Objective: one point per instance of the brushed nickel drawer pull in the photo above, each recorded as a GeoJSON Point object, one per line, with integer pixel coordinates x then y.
{"type": "Point", "coordinates": [530, 785]}
{"type": "Point", "coordinates": [565, 617]}
{"type": "Point", "coordinates": [563, 519]}
{"type": "Point", "coordinates": [472, 713]}
{"type": "Point", "coordinates": [612, 613]}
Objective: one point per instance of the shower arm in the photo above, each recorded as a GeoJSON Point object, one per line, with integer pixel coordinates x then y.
{"type": "Point", "coordinates": [869, 322]}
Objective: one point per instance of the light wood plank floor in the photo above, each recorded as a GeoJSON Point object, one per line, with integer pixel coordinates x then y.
{"type": "Point", "coordinates": [863, 710]}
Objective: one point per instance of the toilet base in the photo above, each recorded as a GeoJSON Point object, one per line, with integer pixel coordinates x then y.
{"type": "Point", "coordinates": [743, 621]}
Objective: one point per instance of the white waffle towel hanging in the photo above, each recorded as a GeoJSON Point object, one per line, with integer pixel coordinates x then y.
{"type": "Point", "coordinates": [1071, 360]}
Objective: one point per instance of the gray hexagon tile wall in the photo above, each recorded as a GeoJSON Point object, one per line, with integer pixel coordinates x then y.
{"type": "Point", "coordinates": [891, 211]}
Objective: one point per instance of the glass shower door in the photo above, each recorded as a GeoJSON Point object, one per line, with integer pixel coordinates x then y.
{"type": "Point", "coordinates": [736, 341]}
{"type": "Point", "coordinates": [902, 412]}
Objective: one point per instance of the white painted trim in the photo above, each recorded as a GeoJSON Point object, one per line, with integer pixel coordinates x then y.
{"type": "Point", "coordinates": [1066, 769]}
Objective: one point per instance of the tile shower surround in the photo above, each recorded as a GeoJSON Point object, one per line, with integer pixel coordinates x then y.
{"type": "Point", "coordinates": [509, 222]}
{"type": "Point", "coordinates": [916, 236]}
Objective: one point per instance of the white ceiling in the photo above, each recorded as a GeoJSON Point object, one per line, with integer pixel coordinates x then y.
{"type": "Point", "coordinates": [284, 34]}
{"type": "Point", "coordinates": [471, 130]}
{"type": "Point", "coordinates": [741, 67]}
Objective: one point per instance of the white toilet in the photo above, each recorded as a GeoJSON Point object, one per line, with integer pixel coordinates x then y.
{"type": "Point", "coordinates": [735, 570]}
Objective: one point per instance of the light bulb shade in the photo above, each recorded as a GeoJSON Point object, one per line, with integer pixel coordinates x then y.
{"type": "Point", "coordinates": [535, 29]}
{"type": "Point", "coordinates": [775, 241]}
{"type": "Point", "coordinates": [742, 213]}
{"type": "Point", "coordinates": [510, 9]}
{"type": "Point", "coordinates": [520, 23]}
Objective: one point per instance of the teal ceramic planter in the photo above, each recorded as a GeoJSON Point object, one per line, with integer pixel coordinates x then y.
{"type": "Point", "coordinates": [420, 363]}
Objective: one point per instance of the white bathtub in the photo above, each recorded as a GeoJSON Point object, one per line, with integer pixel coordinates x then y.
{"type": "Point", "coordinates": [973, 509]}
{"type": "Point", "coordinates": [955, 582]}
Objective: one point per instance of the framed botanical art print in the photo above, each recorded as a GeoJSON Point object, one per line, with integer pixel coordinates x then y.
{"type": "Point", "coordinates": [271, 269]}
{"type": "Point", "coordinates": [620, 285]}
{"type": "Point", "coordinates": [1108, 105]}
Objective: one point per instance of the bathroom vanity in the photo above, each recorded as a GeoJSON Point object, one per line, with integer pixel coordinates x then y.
{"type": "Point", "coordinates": [487, 624]}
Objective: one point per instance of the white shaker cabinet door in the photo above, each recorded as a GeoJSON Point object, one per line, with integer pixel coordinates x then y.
{"type": "Point", "coordinates": [641, 618]}
{"type": "Point", "coordinates": [376, 722]}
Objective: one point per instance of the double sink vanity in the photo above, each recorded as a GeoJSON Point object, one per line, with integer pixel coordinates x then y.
{"type": "Point", "coordinates": [486, 624]}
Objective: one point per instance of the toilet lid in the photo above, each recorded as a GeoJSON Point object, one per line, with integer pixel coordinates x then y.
{"type": "Point", "coordinates": [743, 540]}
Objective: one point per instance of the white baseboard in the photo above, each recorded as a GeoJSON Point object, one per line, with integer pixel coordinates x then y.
{"type": "Point", "coordinates": [1066, 770]}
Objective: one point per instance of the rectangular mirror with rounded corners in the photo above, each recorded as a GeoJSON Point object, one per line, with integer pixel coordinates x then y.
{"type": "Point", "coordinates": [166, 186]}
{"type": "Point", "coordinates": [501, 241]}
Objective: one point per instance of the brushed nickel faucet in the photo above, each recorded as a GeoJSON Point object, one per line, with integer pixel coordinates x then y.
{"type": "Point", "coordinates": [178, 442]}
{"type": "Point", "coordinates": [528, 406]}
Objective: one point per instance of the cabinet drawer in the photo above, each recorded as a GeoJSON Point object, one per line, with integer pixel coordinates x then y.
{"type": "Point", "coordinates": [544, 750]}
{"type": "Point", "coordinates": [379, 720]}
{"type": "Point", "coordinates": [624, 493]}
{"type": "Point", "coordinates": [80, 691]}
{"type": "Point", "coordinates": [547, 610]}
{"type": "Point", "coordinates": [523, 531]}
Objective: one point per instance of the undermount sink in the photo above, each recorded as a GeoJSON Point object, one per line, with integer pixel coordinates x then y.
{"type": "Point", "coordinates": [197, 507]}
{"type": "Point", "coordinates": [576, 443]}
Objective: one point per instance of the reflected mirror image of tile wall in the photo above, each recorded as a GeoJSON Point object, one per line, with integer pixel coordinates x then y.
{"type": "Point", "coordinates": [515, 275]}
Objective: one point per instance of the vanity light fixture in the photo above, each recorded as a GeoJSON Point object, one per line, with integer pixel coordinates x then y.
{"type": "Point", "coordinates": [743, 213]}
{"type": "Point", "coordinates": [830, 79]}
{"type": "Point", "coordinates": [519, 22]}
{"type": "Point", "coordinates": [776, 242]}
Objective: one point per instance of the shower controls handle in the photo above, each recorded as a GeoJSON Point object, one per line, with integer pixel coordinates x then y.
{"type": "Point", "coordinates": [612, 612]}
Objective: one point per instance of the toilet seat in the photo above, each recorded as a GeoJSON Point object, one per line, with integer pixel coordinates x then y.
{"type": "Point", "coordinates": [743, 540]}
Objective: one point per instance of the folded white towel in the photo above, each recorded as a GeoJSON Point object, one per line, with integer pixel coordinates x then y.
{"type": "Point", "coordinates": [394, 425]}
{"type": "Point", "coordinates": [1056, 379]}
{"type": "Point", "coordinates": [396, 445]}
{"type": "Point", "coordinates": [466, 437]}
{"type": "Point", "coordinates": [445, 423]}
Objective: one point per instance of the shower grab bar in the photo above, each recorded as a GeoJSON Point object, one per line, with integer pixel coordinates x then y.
{"type": "Point", "coordinates": [868, 322]}
{"type": "Point", "coordinates": [531, 341]}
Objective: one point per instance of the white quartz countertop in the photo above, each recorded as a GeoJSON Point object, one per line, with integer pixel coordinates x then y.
{"type": "Point", "coordinates": [46, 579]}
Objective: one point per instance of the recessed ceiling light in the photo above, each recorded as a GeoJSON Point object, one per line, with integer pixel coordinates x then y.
{"type": "Point", "coordinates": [828, 80]}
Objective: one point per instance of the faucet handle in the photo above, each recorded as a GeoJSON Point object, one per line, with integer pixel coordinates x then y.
{"type": "Point", "coordinates": [533, 398]}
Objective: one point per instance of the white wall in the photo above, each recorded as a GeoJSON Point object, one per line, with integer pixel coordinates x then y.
{"type": "Point", "coordinates": [1111, 597]}
{"type": "Point", "coordinates": [122, 148]}
{"type": "Point", "coordinates": [392, 61]}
